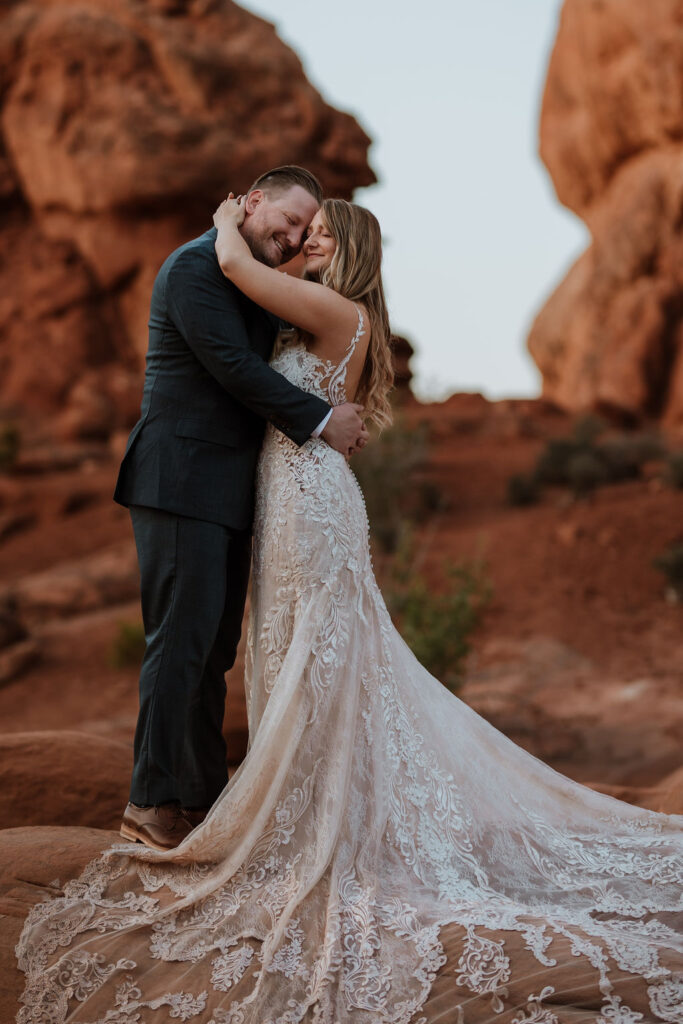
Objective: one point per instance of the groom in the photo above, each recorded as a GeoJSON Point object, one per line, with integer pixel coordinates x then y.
{"type": "Point", "coordinates": [187, 477]}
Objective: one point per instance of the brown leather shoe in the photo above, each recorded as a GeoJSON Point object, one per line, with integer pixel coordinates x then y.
{"type": "Point", "coordinates": [162, 827]}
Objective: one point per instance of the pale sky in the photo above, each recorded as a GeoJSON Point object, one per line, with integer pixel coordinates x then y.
{"type": "Point", "coordinates": [474, 237]}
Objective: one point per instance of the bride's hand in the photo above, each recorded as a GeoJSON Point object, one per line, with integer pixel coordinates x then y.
{"type": "Point", "coordinates": [231, 211]}
{"type": "Point", "coordinates": [229, 245]}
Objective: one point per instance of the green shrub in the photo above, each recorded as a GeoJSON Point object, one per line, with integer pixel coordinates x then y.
{"type": "Point", "coordinates": [583, 463]}
{"type": "Point", "coordinates": [674, 469]}
{"type": "Point", "coordinates": [620, 459]}
{"type": "Point", "coordinates": [586, 471]}
{"type": "Point", "coordinates": [670, 563]}
{"type": "Point", "coordinates": [587, 429]}
{"type": "Point", "coordinates": [128, 646]}
{"type": "Point", "coordinates": [523, 490]}
{"type": "Point", "coordinates": [626, 454]}
{"type": "Point", "coordinates": [388, 472]}
{"type": "Point", "coordinates": [553, 462]}
{"type": "Point", "coordinates": [436, 624]}
{"type": "Point", "coordinates": [10, 443]}
{"type": "Point", "coordinates": [429, 499]}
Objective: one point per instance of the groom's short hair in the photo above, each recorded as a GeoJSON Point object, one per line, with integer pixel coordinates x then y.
{"type": "Point", "coordinates": [281, 178]}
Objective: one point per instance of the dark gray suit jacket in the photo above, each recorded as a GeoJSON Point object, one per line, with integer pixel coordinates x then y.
{"type": "Point", "coordinates": [208, 389]}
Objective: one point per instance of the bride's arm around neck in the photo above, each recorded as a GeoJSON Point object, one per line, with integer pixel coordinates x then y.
{"type": "Point", "coordinates": [320, 311]}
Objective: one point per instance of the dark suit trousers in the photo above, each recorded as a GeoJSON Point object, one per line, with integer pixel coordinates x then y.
{"type": "Point", "coordinates": [193, 581]}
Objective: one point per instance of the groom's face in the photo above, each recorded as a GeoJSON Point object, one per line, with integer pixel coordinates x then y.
{"type": "Point", "coordinates": [275, 224]}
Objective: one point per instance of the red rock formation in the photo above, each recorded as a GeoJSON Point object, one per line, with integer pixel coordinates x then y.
{"type": "Point", "coordinates": [402, 352]}
{"type": "Point", "coordinates": [611, 335]}
{"type": "Point", "coordinates": [35, 864]}
{"type": "Point", "coordinates": [122, 126]}
{"type": "Point", "coordinates": [63, 778]}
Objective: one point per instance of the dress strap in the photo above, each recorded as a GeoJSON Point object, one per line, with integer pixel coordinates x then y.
{"type": "Point", "coordinates": [337, 379]}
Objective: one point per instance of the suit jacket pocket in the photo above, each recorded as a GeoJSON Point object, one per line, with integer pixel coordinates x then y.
{"type": "Point", "coordinates": [204, 430]}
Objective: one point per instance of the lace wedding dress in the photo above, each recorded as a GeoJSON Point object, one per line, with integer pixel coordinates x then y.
{"type": "Point", "coordinates": [383, 854]}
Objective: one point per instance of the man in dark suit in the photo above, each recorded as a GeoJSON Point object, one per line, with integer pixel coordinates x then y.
{"type": "Point", "coordinates": [187, 477]}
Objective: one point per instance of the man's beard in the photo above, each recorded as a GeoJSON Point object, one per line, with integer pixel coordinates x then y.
{"type": "Point", "coordinates": [262, 256]}
{"type": "Point", "coordinates": [260, 252]}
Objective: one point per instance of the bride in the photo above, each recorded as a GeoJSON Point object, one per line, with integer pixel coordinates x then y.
{"type": "Point", "coordinates": [383, 855]}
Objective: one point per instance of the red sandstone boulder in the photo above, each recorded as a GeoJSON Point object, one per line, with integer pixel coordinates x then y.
{"type": "Point", "coordinates": [402, 352]}
{"type": "Point", "coordinates": [122, 125]}
{"type": "Point", "coordinates": [610, 338]}
{"type": "Point", "coordinates": [71, 588]}
{"type": "Point", "coordinates": [63, 778]}
{"type": "Point", "coordinates": [45, 857]}
{"type": "Point", "coordinates": [34, 863]}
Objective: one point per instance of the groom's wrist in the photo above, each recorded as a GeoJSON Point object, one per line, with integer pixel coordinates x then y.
{"type": "Point", "coordinates": [321, 426]}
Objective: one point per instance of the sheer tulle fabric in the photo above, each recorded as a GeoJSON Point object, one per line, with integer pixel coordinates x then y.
{"type": "Point", "coordinates": [383, 855]}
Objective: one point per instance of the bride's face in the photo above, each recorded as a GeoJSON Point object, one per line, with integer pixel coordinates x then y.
{"type": "Point", "coordinates": [319, 247]}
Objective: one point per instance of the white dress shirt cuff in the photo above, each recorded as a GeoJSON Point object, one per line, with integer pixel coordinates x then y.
{"type": "Point", "coordinates": [321, 426]}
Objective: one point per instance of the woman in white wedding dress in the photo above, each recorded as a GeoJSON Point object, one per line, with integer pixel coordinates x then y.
{"type": "Point", "coordinates": [383, 855]}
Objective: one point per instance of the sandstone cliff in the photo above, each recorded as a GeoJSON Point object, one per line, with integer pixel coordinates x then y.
{"type": "Point", "coordinates": [611, 136]}
{"type": "Point", "coordinates": [123, 123]}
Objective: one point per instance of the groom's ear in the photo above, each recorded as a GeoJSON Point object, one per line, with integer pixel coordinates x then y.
{"type": "Point", "coordinates": [253, 199]}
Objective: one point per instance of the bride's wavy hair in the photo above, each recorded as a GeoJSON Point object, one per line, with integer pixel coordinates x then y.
{"type": "Point", "coordinates": [355, 271]}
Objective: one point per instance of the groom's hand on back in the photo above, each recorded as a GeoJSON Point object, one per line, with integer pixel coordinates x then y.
{"type": "Point", "coordinates": [345, 430]}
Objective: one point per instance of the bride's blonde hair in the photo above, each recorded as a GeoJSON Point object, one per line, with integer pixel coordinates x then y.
{"type": "Point", "coordinates": [355, 271]}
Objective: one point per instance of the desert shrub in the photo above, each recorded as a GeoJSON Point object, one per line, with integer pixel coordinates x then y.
{"type": "Point", "coordinates": [670, 563]}
{"type": "Point", "coordinates": [128, 646]}
{"type": "Point", "coordinates": [583, 462]}
{"type": "Point", "coordinates": [428, 500]}
{"type": "Point", "coordinates": [10, 443]}
{"type": "Point", "coordinates": [586, 471]}
{"type": "Point", "coordinates": [674, 469]}
{"type": "Point", "coordinates": [558, 462]}
{"type": "Point", "coordinates": [523, 489]}
{"type": "Point", "coordinates": [436, 624]}
{"type": "Point", "coordinates": [620, 459]}
{"type": "Point", "coordinates": [388, 472]}
{"type": "Point", "coordinates": [587, 429]}
{"type": "Point", "coordinates": [626, 454]}
{"type": "Point", "coordinates": [552, 464]}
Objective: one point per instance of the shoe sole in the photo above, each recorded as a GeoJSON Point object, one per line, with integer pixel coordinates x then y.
{"type": "Point", "coordinates": [127, 833]}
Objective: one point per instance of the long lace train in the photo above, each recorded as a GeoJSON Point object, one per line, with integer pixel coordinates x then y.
{"type": "Point", "coordinates": [383, 855]}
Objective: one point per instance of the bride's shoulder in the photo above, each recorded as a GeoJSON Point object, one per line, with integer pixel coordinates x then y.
{"type": "Point", "coordinates": [364, 322]}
